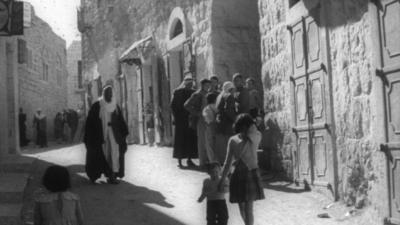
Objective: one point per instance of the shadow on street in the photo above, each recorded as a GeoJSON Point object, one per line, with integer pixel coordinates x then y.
{"type": "Point", "coordinates": [102, 203]}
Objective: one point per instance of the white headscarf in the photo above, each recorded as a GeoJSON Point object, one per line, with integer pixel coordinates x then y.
{"type": "Point", "coordinates": [228, 85]}
{"type": "Point", "coordinates": [188, 78]}
{"type": "Point", "coordinates": [108, 106]}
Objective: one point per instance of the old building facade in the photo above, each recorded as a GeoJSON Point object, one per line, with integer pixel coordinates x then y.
{"type": "Point", "coordinates": [42, 73]}
{"type": "Point", "coordinates": [330, 71]}
{"type": "Point", "coordinates": [76, 92]}
{"type": "Point", "coordinates": [147, 47]}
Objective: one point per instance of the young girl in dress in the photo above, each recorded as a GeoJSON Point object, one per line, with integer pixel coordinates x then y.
{"type": "Point", "coordinates": [57, 206]}
{"type": "Point", "coordinates": [245, 183]}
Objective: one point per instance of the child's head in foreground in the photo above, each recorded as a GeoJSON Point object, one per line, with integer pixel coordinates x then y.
{"type": "Point", "coordinates": [56, 179]}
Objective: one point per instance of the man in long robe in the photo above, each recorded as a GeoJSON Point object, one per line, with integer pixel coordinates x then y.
{"type": "Point", "coordinates": [105, 139]}
{"type": "Point", "coordinates": [40, 124]}
{"type": "Point", "coordinates": [195, 105]}
{"type": "Point", "coordinates": [185, 141]}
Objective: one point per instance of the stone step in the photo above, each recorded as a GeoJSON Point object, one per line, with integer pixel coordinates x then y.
{"type": "Point", "coordinates": [10, 214]}
{"type": "Point", "coordinates": [12, 187]}
{"type": "Point", "coordinates": [16, 164]}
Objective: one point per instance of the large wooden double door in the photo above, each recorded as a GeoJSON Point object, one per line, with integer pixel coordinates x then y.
{"type": "Point", "coordinates": [389, 21]}
{"type": "Point", "coordinates": [311, 108]}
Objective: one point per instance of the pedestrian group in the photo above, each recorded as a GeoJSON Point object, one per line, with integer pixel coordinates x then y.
{"type": "Point", "coordinates": [217, 126]}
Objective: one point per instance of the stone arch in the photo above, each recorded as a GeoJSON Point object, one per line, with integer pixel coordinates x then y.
{"type": "Point", "coordinates": [179, 29]}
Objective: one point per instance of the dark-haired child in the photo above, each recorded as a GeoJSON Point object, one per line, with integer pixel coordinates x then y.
{"type": "Point", "coordinates": [57, 206]}
{"type": "Point", "coordinates": [217, 211]}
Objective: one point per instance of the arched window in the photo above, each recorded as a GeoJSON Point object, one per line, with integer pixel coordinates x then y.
{"type": "Point", "coordinates": [45, 64]}
{"type": "Point", "coordinates": [178, 29]}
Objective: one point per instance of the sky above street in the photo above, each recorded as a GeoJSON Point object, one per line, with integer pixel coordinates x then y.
{"type": "Point", "coordinates": [60, 15]}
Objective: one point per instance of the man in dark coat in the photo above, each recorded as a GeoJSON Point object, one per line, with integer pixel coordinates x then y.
{"type": "Point", "coordinates": [105, 139]}
{"type": "Point", "coordinates": [185, 141]}
{"type": "Point", "coordinates": [22, 128]}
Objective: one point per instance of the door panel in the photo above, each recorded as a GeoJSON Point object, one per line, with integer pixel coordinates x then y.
{"type": "Point", "coordinates": [304, 156]}
{"type": "Point", "coordinates": [298, 56]}
{"type": "Point", "coordinates": [301, 102]}
{"type": "Point", "coordinates": [390, 32]}
{"type": "Point", "coordinates": [389, 18]}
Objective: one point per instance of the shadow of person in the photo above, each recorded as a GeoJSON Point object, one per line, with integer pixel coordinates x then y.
{"type": "Point", "coordinates": [105, 204]}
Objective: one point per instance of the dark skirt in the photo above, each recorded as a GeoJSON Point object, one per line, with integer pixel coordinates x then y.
{"type": "Point", "coordinates": [245, 185]}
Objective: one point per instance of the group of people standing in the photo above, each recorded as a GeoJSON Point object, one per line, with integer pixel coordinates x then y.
{"type": "Point", "coordinates": [220, 128]}
{"type": "Point", "coordinates": [204, 118]}
{"type": "Point", "coordinates": [66, 125]}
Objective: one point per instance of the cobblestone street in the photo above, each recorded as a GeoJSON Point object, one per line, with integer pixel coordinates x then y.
{"type": "Point", "coordinates": [155, 191]}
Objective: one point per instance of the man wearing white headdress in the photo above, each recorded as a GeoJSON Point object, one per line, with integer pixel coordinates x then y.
{"type": "Point", "coordinates": [40, 124]}
{"type": "Point", "coordinates": [105, 138]}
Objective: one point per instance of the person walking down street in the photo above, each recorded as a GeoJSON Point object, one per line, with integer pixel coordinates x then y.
{"type": "Point", "coordinates": [195, 105]}
{"type": "Point", "coordinates": [242, 96]}
{"type": "Point", "coordinates": [57, 205]}
{"type": "Point", "coordinates": [225, 118]}
{"type": "Point", "coordinates": [210, 114]}
{"type": "Point", "coordinates": [245, 183]}
{"type": "Point", "coordinates": [217, 211]}
{"type": "Point", "coordinates": [40, 124]}
{"type": "Point", "coordinates": [105, 139]}
{"type": "Point", "coordinates": [185, 145]}
{"type": "Point", "coordinates": [58, 127]}
{"type": "Point", "coordinates": [23, 141]}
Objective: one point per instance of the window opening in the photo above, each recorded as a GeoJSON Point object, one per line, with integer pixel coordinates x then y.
{"type": "Point", "coordinates": [293, 2]}
{"type": "Point", "coordinates": [178, 29]}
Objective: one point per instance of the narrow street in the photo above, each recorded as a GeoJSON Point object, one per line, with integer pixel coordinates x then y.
{"type": "Point", "coordinates": [155, 191]}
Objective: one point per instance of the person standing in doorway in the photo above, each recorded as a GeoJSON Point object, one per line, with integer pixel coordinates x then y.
{"type": "Point", "coordinates": [185, 140]}
{"type": "Point", "coordinates": [242, 97]}
{"type": "Point", "coordinates": [195, 105]}
{"type": "Point", "coordinates": [22, 128]}
{"type": "Point", "coordinates": [105, 139]}
{"type": "Point", "coordinates": [40, 124]}
{"type": "Point", "coordinates": [58, 127]}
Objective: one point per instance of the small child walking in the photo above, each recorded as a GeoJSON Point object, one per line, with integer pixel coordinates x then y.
{"type": "Point", "coordinates": [209, 114]}
{"type": "Point", "coordinates": [217, 211]}
{"type": "Point", "coordinates": [57, 206]}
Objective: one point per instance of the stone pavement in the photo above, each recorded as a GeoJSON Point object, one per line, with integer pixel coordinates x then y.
{"type": "Point", "coordinates": [156, 191]}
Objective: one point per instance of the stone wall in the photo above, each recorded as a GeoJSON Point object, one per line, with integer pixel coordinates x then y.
{"type": "Point", "coordinates": [361, 170]}
{"type": "Point", "coordinates": [275, 55]}
{"type": "Point", "coordinates": [34, 91]}
{"type": "Point", "coordinates": [116, 26]}
{"type": "Point", "coordinates": [75, 93]}
{"type": "Point", "coordinates": [236, 39]}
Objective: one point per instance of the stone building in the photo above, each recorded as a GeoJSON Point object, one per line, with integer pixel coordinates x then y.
{"type": "Point", "coordinates": [76, 92]}
{"type": "Point", "coordinates": [42, 73]}
{"type": "Point", "coordinates": [9, 142]}
{"type": "Point", "coordinates": [147, 47]}
{"type": "Point", "coordinates": [330, 70]}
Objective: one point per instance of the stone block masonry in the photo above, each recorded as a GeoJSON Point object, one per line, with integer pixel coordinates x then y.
{"type": "Point", "coordinates": [361, 170]}
{"type": "Point", "coordinates": [43, 76]}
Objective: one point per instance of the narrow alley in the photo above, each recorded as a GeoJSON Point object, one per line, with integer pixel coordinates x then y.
{"type": "Point", "coordinates": [155, 191]}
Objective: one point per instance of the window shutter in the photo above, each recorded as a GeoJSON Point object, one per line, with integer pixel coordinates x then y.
{"type": "Point", "coordinates": [22, 51]}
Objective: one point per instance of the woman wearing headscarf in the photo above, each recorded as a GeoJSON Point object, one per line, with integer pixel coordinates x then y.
{"type": "Point", "coordinates": [40, 124]}
{"type": "Point", "coordinates": [225, 118]}
{"type": "Point", "coordinates": [105, 139]}
{"type": "Point", "coordinates": [185, 140]}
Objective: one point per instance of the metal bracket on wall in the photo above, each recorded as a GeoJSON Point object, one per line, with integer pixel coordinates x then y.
{"type": "Point", "coordinates": [385, 149]}
{"type": "Point", "coordinates": [380, 73]}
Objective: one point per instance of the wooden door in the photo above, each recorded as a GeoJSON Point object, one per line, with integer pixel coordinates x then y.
{"type": "Point", "coordinates": [389, 18]}
{"type": "Point", "coordinates": [312, 105]}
